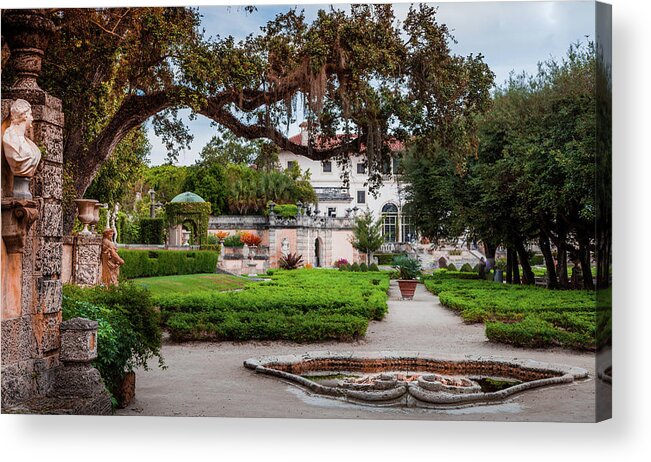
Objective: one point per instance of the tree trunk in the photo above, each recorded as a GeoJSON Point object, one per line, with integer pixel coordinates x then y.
{"type": "Point", "coordinates": [584, 256]}
{"type": "Point", "coordinates": [543, 242]}
{"type": "Point", "coordinates": [516, 269]}
{"type": "Point", "coordinates": [527, 274]}
{"type": "Point", "coordinates": [561, 267]}
{"type": "Point", "coordinates": [489, 250]}
{"type": "Point", "coordinates": [509, 265]}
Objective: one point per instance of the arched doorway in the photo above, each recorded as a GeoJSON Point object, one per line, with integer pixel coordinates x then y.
{"type": "Point", "coordinates": [191, 227]}
{"type": "Point", "coordinates": [318, 252]}
{"type": "Point", "coordinates": [390, 222]}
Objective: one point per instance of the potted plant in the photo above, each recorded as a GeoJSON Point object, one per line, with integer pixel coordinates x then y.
{"type": "Point", "coordinates": [408, 272]}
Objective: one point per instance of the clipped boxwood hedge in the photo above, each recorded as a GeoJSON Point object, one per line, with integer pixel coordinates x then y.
{"type": "Point", "coordinates": [148, 263]}
{"type": "Point", "coordinates": [386, 258]}
{"type": "Point", "coordinates": [299, 306]}
{"type": "Point", "coordinates": [152, 231]}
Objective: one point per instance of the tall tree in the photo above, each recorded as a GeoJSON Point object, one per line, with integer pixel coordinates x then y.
{"type": "Point", "coordinates": [367, 235]}
{"type": "Point", "coordinates": [114, 68]}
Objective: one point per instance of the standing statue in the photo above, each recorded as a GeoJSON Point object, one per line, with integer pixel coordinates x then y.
{"type": "Point", "coordinates": [113, 220]}
{"type": "Point", "coordinates": [111, 261]}
{"type": "Point", "coordinates": [21, 153]}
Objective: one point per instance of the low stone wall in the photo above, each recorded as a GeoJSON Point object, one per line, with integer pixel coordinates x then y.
{"type": "Point", "coordinates": [406, 387]}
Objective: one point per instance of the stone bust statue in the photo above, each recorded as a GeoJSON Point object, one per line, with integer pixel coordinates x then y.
{"type": "Point", "coordinates": [21, 153]}
{"type": "Point", "coordinates": [285, 247]}
{"type": "Point", "coordinates": [111, 261]}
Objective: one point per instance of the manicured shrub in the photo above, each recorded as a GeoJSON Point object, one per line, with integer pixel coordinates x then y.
{"type": "Point", "coordinates": [148, 263]}
{"type": "Point", "coordinates": [373, 267]}
{"type": "Point", "coordinates": [152, 231]}
{"type": "Point", "coordinates": [451, 267]}
{"type": "Point", "coordinates": [301, 306]}
{"type": "Point", "coordinates": [466, 268]}
{"type": "Point", "coordinates": [363, 268]}
{"type": "Point", "coordinates": [386, 258]}
{"type": "Point", "coordinates": [233, 241]}
{"type": "Point", "coordinates": [354, 267]}
{"type": "Point", "coordinates": [286, 210]}
{"type": "Point", "coordinates": [519, 315]}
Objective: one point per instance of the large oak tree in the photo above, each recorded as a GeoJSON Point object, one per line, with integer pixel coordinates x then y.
{"type": "Point", "coordinates": [357, 71]}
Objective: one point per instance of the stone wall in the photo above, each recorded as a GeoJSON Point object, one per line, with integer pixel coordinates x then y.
{"type": "Point", "coordinates": [30, 332]}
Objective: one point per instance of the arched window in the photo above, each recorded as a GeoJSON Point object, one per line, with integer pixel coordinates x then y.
{"type": "Point", "coordinates": [390, 222]}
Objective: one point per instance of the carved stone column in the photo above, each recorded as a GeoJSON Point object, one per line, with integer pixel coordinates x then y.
{"type": "Point", "coordinates": [30, 335]}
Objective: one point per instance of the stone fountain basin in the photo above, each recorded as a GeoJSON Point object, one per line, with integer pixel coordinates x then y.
{"type": "Point", "coordinates": [429, 374]}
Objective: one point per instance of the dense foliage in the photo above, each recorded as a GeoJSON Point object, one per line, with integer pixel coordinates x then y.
{"type": "Point", "coordinates": [520, 315]}
{"type": "Point", "coordinates": [148, 263]}
{"type": "Point", "coordinates": [532, 180]}
{"type": "Point", "coordinates": [301, 306]}
{"type": "Point", "coordinates": [359, 70]}
{"type": "Point", "coordinates": [129, 327]}
{"type": "Point", "coordinates": [152, 231]}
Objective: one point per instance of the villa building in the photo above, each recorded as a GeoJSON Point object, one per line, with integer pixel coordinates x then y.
{"type": "Point", "coordinates": [335, 200]}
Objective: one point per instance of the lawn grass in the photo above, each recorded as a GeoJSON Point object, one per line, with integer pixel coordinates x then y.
{"type": "Point", "coordinates": [300, 305]}
{"type": "Point", "coordinates": [524, 316]}
{"type": "Point", "coordinates": [191, 283]}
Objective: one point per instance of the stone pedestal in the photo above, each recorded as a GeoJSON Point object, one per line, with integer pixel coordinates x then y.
{"type": "Point", "coordinates": [87, 263]}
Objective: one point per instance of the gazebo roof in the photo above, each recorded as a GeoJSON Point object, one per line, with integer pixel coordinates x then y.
{"type": "Point", "coordinates": [188, 197]}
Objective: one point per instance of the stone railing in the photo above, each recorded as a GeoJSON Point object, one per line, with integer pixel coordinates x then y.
{"type": "Point", "coordinates": [276, 221]}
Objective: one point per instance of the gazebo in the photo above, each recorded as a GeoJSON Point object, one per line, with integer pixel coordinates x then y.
{"type": "Point", "coordinates": [187, 210]}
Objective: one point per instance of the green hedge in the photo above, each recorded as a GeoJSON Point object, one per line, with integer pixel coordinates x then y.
{"type": "Point", "coordinates": [286, 210]}
{"type": "Point", "coordinates": [300, 306]}
{"type": "Point", "coordinates": [525, 316]}
{"type": "Point", "coordinates": [387, 258]}
{"type": "Point", "coordinates": [148, 263]}
{"type": "Point", "coordinates": [152, 231]}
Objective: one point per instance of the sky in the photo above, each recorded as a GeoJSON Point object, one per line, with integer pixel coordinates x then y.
{"type": "Point", "coordinates": [512, 36]}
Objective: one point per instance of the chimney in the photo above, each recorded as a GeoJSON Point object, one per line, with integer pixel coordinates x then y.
{"type": "Point", "coordinates": [304, 133]}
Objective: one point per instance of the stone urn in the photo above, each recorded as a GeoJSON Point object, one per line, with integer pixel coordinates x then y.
{"type": "Point", "coordinates": [93, 223]}
{"type": "Point", "coordinates": [86, 213]}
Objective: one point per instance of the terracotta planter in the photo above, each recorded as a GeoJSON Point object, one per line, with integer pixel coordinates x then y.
{"type": "Point", "coordinates": [127, 390]}
{"type": "Point", "coordinates": [407, 288]}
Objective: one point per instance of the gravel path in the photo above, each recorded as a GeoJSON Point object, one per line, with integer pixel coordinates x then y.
{"type": "Point", "coordinates": [208, 379]}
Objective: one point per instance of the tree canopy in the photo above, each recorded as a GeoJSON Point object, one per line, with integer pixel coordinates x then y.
{"type": "Point", "coordinates": [534, 175]}
{"type": "Point", "coordinates": [358, 71]}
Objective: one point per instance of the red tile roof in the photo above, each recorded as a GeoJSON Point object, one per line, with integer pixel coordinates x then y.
{"type": "Point", "coordinates": [324, 143]}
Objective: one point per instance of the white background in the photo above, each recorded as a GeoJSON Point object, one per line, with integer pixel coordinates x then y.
{"type": "Point", "coordinates": [625, 437]}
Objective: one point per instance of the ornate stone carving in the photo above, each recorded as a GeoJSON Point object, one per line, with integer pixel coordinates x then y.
{"type": "Point", "coordinates": [111, 261]}
{"type": "Point", "coordinates": [21, 153]}
{"type": "Point", "coordinates": [27, 32]}
{"type": "Point", "coordinates": [17, 218]}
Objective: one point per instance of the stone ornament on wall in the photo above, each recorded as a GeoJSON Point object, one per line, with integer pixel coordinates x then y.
{"type": "Point", "coordinates": [21, 153]}
{"type": "Point", "coordinates": [111, 261]}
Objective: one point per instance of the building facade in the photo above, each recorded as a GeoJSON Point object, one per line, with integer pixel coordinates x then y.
{"type": "Point", "coordinates": [335, 200]}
